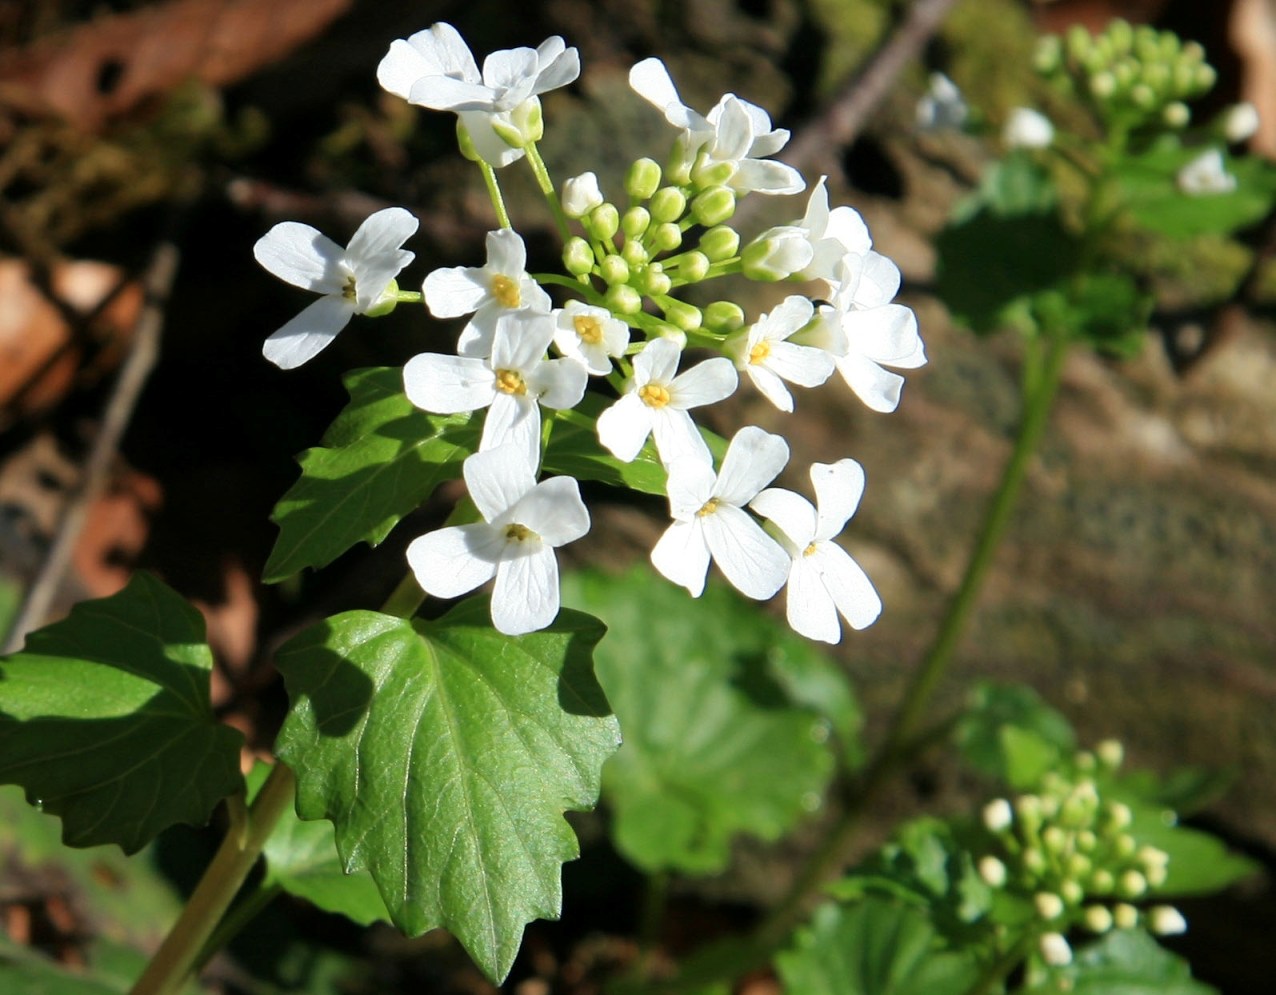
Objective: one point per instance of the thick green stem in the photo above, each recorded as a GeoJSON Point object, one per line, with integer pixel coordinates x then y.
{"type": "Point", "coordinates": [176, 957]}
{"type": "Point", "coordinates": [546, 184]}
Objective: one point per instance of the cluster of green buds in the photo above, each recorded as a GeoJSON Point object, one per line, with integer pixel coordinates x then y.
{"type": "Point", "coordinates": [1132, 77]}
{"type": "Point", "coordinates": [1072, 854]}
{"type": "Point", "coordinates": [642, 251]}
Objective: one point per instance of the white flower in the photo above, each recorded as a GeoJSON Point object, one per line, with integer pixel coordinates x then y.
{"type": "Point", "coordinates": [590, 335]}
{"type": "Point", "coordinates": [498, 287]}
{"type": "Point", "coordinates": [764, 354]}
{"type": "Point", "coordinates": [943, 105]}
{"type": "Point", "coordinates": [735, 132]}
{"type": "Point", "coordinates": [832, 235]}
{"type": "Point", "coordinates": [1240, 122]}
{"type": "Point", "coordinates": [1205, 175]}
{"type": "Point", "coordinates": [776, 254]}
{"type": "Point", "coordinates": [656, 403]}
{"type": "Point", "coordinates": [709, 520]}
{"type": "Point", "coordinates": [523, 523]}
{"type": "Point", "coordinates": [1027, 129]}
{"type": "Point", "coordinates": [512, 383]}
{"type": "Point", "coordinates": [434, 68]}
{"type": "Point", "coordinates": [581, 195]}
{"type": "Point", "coordinates": [864, 331]}
{"type": "Point", "coordinates": [823, 579]}
{"type": "Point", "coordinates": [354, 280]}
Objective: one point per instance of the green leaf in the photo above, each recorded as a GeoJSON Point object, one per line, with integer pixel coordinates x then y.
{"type": "Point", "coordinates": [105, 719]}
{"type": "Point", "coordinates": [713, 746]}
{"type": "Point", "coordinates": [1040, 734]}
{"type": "Point", "coordinates": [445, 753]}
{"type": "Point", "coordinates": [1199, 863]}
{"type": "Point", "coordinates": [1109, 311]}
{"type": "Point", "coordinates": [876, 947]}
{"type": "Point", "coordinates": [378, 461]}
{"type": "Point", "coordinates": [1124, 962]}
{"type": "Point", "coordinates": [302, 859]}
{"type": "Point", "coordinates": [111, 970]}
{"type": "Point", "coordinates": [574, 450]}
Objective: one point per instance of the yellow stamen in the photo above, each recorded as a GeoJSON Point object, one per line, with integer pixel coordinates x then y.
{"type": "Point", "coordinates": [708, 508]}
{"type": "Point", "coordinates": [519, 533]}
{"type": "Point", "coordinates": [510, 382]}
{"type": "Point", "coordinates": [348, 291]}
{"type": "Point", "coordinates": [810, 550]}
{"type": "Point", "coordinates": [654, 395]}
{"type": "Point", "coordinates": [506, 291]}
{"type": "Point", "coordinates": [760, 351]}
{"type": "Point", "coordinates": [589, 328]}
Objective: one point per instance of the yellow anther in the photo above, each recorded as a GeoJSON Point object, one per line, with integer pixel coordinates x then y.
{"type": "Point", "coordinates": [519, 533]}
{"type": "Point", "coordinates": [510, 382]}
{"type": "Point", "coordinates": [760, 351]}
{"type": "Point", "coordinates": [589, 328]}
{"type": "Point", "coordinates": [810, 550]}
{"type": "Point", "coordinates": [348, 291]}
{"type": "Point", "coordinates": [654, 395]}
{"type": "Point", "coordinates": [708, 508]}
{"type": "Point", "coordinates": [506, 291]}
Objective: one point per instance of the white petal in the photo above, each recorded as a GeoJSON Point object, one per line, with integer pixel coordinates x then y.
{"type": "Point", "coordinates": [455, 560]}
{"type": "Point", "coordinates": [658, 362]}
{"type": "Point", "coordinates": [754, 563]}
{"type": "Point", "coordinates": [624, 427]}
{"type": "Point", "coordinates": [808, 606]}
{"type": "Point", "coordinates": [689, 486]}
{"type": "Point", "coordinates": [787, 317]}
{"type": "Point", "coordinates": [526, 594]}
{"type": "Point", "coordinates": [302, 256]}
{"type": "Point", "coordinates": [506, 253]}
{"type": "Point", "coordinates": [792, 514]}
{"type": "Point", "coordinates": [513, 420]}
{"type": "Point", "coordinates": [705, 383]}
{"type": "Point", "coordinates": [848, 585]}
{"type": "Point", "coordinates": [754, 458]}
{"type": "Point", "coordinates": [771, 386]}
{"type": "Point", "coordinates": [304, 336]}
{"type": "Point", "coordinates": [506, 69]}
{"type": "Point", "coordinates": [838, 489]}
{"type": "Point", "coordinates": [816, 218]}
{"type": "Point", "coordinates": [734, 129]}
{"type": "Point", "coordinates": [497, 480]}
{"type": "Point", "coordinates": [676, 435]}
{"type": "Point", "coordinates": [878, 281]}
{"type": "Point", "coordinates": [846, 225]}
{"type": "Point", "coordinates": [886, 334]}
{"type": "Point", "coordinates": [382, 233]}
{"type": "Point", "coordinates": [491, 147]}
{"type": "Point", "coordinates": [799, 364]}
{"type": "Point", "coordinates": [682, 556]}
{"type": "Point", "coordinates": [554, 511]}
{"type": "Point", "coordinates": [448, 384]}
{"type": "Point", "coordinates": [455, 290]}
{"type": "Point", "coordinates": [876, 387]}
{"type": "Point", "coordinates": [558, 383]}
{"type": "Point", "coordinates": [437, 51]}
{"type": "Point", "coordinates": [558, 65]}
{"type": "Point", "coordinates": [767, 176]}
{"type": "Point", "coordinates": [650, 80]}
{"type": "Point", "coordinates": [446, 93]}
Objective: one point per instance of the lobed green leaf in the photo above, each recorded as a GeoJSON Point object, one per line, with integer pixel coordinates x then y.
{"type": "Point", "coordinates": [1125, 961]}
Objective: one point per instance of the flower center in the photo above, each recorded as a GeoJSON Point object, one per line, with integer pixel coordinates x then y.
{"type": "Point", "coordinates": [510, 382]}
{"type": "Point", "coordinates": [348, 291]}
{"type": "Point", "coordinates": [589, 328]}
{"type": "Point", "coordinates": [654, 395]}
{"type": "Point", "coordinates": [708, 508]}
{"type": "Point", "coordinates": [515, 532]}
{"type": "Point", "coordinates": [760, 351]}
{"type": "Point", "coordinates": [506, 291]}
{"type": "Point", "coordinates": [810, 550]}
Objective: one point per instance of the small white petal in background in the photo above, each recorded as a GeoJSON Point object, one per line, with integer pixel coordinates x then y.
{"type": "Point", "coordinates": [590, 335]}
{"type": "Point", "coordinates": [1240, 122]}
{"type": "Point", "coordinates": [1206, 175]}
{"type": "Point", "coordinates": [581, 195]}
{"type": "Point", "coordinates": [762, 351]}
{"type": "Point", "coordinates": [351, 281]}
{"type": "Point", "coordinates": [942, 106]}
{"type": "Point", "coordinates": [709, 520]}
{"type": "Point", "coordinates": [824, 581]}
{"type": "Point", "coordinates": [1027, 129]}
{"type": "Point", "coordinates": [523, 523]}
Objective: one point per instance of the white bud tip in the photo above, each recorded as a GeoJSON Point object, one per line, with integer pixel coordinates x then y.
{"type": "Point", "coordinates": [1166, 920]}
{"type": "Point", "coordinates": [1055, 950]}
{"type": "Point", "coordinates": [998, 815]}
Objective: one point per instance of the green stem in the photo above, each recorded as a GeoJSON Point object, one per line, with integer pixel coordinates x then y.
{"type": "Point", "coordinates": [177, 956]}
{"type": "Point", "coordinates": [494, 192]}
{"type": "Point", "coordinates": [405, 599]}
{"type": "Point", "coordinates": [996, 972]}
{"type": "Point", "coordinates": [238, 917]}
{"type": "Point", "coordinates": [541, 171]}
{"type": "Point", "coordinates": [652, 917]}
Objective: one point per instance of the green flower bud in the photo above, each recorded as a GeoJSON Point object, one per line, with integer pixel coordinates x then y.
{"type": "Point", "coordinates": [1110, 753]}
{"type": "Point", "coordinates": [1048, 905]}
{"type": "Point", "coordinates": [1103, 85]}
{"type": "Point", "coordinates": [665, 237]}
{"type": "Point", "coordinates": [1048, 56]}
{"type": "Point", "coordinates": [614, 270]}
{"type": "Point", "coordinates": [1176, 114]}
{"type": "Point", "coordinates": [1097, 919]}
{"type": "Point", "coordinates": [724, 316]}
{"type": "Point", "coordinates": [642, 179]}
{"type": "Point", "coordinates": [1085, 760]}
{"type": "Point", "coordinates": [622, 299]}
{"type": "Point", "coordinates": [604, 222]}
{"type": "Point", "coordinates": [578, 257]}
{"type": "Point", "coordinates": [675, 335]}
{"type": "Point", "coordinates": [635, 221]}
{"type": "Point", "coordinates": [1131, 884]}
{"type": "Point", "coordinates": [714, 206]}
{"type": "Point", "coordinates": [654, 281]}
{"type": "Point", "coordinates": [1143, 97]}
{"type": "Point", "coordinates": [1087, 841]}
{"type": "Point", "coordinates": [1102, 882]}
{"type": "Point", "coordinates": [634, 253]}
{"type": "Point", "coordinates": [1034, 861]}
{"type": "Point", "coordinates": [992, 871]}
{"type": "Point", "coordinates": [1054, 839]}
{"type": "Point", "coordinates": [1078, 42]}
{"type": "Point", "coordinates": [1204, 77]}
{"type": "Point", "coordinates": [386, 303]}
{"type": "Point", "coordinates": [1123, 846]}
{"type": "Point", "coordinates": [1078, 865]}
{"type": "Point", "coordinates": [466, 143]}
{"type": "Point", "coordinates": [693, 267]}
{"type": "Point", "coordinates": [1121, 35]}
{"type": "Point", "coordinates": [683, 315]}
{"type": "Point", "coordinates": [1125, 916]}
{"type": "Point", "coordinates": [720, 243]}
{"type": "Point", "coordinates": [667, 204]}
{"type": "Point", "coordinates": [1054, 949]}
{"type": "Point", "coordinates": [525, 124]}
{"type": "Point", "coordinates": [1119, 815]}
{"type": "Point", "coordinates": [1156, 876]}
{"type": "Point", "coordinates": [706, 175]}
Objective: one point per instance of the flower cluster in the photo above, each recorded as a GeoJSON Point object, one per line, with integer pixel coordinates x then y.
{"type": "Point", "coordinates": [523, 360]}
{"type": "Point", "coordinates": [1075, 856]}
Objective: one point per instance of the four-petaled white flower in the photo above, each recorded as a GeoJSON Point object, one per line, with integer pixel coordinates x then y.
{"type": "Point", "coordinates": [523, 523]}
{"type": "Point", "coordinates": [734, 131]}
{"type": "Point", "coordinates": [864, 331]}
{"type": "Point", "coordinates": [656, 403]}
{"type": "Point", "coordinates": [512, 383]}
{"type": "Point", "coordinates": [353, 280]}
{"type": "Point", "coordinates": [489, 291]}
{"type": "Point", "coordinates": [1206, 174]}
{"type": "Point", "coordinates": [590, 335]}
{"type": "Point", "coordinates": [823, 579]}
{"type": "Point", "coordinates": [709, 520]}
{"type": "Point", "coordinates": [832, 235]}
{"type": "Point", "coordinates": [764, 354]}
{"type": "Point", "coordinates": [434, 68]}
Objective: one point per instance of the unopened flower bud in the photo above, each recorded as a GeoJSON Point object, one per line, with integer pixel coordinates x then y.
{"type": "Point", "coordinates": [993, 871]}
{"type": "Point", "coordinates": [1125, 916]}
{"type": "Point", "coordinates": [1027, 129]}
{"type": "Point", "coordinates": [1054, 839]}
{"type": "Point", "coordinates": [1048, 55]}
{"type": "Point", "coordinates": [1087, 841]}
{"type": "Point", "coordinates": [525, 124]}
{"type": "Point", "coordinates": [1079, 865]}
{"type": "Point", "coordinates": [1078, 41]}
{"type": "Point", "coordinates": [578, 257]}
{"type": "Point", "coordinates": [1034, 861]}
{"type": "Point", "coordinates": [776, 254]}
{"type": "Point", "coordinates": [667, 204]}
{"type": "Point", "coordinates": [1110, 753]}
{"type": "Point", "coordinates": [604, 222]}
{"type": "Point", "coordinates": [675, 335]}
{"type": "Point", "coordinates": [1176, 114]}
{"type": "Point", "coordinates": [1166, 920]}
{"type": "Point", "coordinates": [581, 195]}
{"type": "Point", "coordinates": [693, 267]}
{"type": "Point", "coordinates": [387, 302]}
{"type": "Point", "coordinates": [1151, 856]}
{"type": "Point", "coordinates": [1102, 882]}
{"type": "Point", "coordinates": [665, 237]}
{"type": "Point", "coordinates": [1097, 919]}
{"type": "Point", "coordinates": [1131, 884]}
{"type": "Point", "coordinates": [1156, 875]}
{"type": "Point", "coordinates": [724, 316]}
{"type": "Point", "coordinates": [720, 243]}
{"type": "Point", "coordinates": [1085, 761]}
{"type": "Point", "coordinates": [998, 815]}
{"type": "Point", "coordinates": [635, 221]}
{"type": "Point", "coordinates": [1143, 97]}
{"type": "Point", "coordinates": [714, 206]}
{"type": "Point", "coordinates": [614, 269]}
{"type": "Point", "coordinates": [634, 253]}
{"type": "Point", "coordinates": [1070, 891]}
{"type": "Point", "coordinates": [1049, 905]}
{"type": "Point", "coordinates": [1119, 815]}
{"type": "Point", "coordinates": [706, 175]}
{"type": "Point", "coordinates": [1054, 949]}
{"type": "Point", "coordinates": [1102, 85]}
{"type": "Point", "coordinates": [1028, 808]}
{"type": "Point", "coordinates": [1240, 122]}
{"type": "Point", "coordinates": [683, 315]}
{"type": "Point", "coordinates": [642, 179]}
{"type": "Point", "coordinates": [621, 298]}
{"type": "Point", "coordinates": [1204, 77]}
{"type": "Point", "coordinates": [654, 281]}
{"type": "Point", "coordinates": [1123, 845]}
